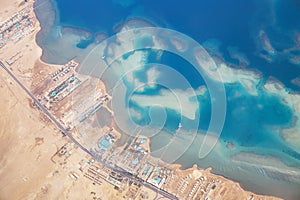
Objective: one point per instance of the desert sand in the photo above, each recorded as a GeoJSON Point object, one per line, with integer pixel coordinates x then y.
{"type": "Point", "coordinates": [29, 140]}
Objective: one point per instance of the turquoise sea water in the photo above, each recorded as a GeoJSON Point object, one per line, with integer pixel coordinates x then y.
{"type": "Point", "coordinates": [253, 123]}
{"type": "Point", "coordinates": [237, 25]}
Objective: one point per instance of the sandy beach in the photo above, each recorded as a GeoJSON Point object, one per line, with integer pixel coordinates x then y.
{"type": "Point", "coordinates": [29, 140]}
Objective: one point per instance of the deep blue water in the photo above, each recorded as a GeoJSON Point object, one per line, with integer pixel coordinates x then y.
{"type": "Point", "coordinates": [92, 15]}
{"type": "Point", "coordinates": [251, 121]}
{"type": "Point", "coordinates": [233, 22]}
{"type": "Point", "coordinates": [183, 67]}
{"type": "Point", "coordinates": [84, 43]}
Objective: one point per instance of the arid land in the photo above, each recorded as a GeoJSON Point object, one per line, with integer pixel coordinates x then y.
{"type": "Point", "coordinates": [38, 162]}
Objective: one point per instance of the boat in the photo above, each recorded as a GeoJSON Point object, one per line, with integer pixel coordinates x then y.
{"type": "Point", "coordinates": [179, 125]}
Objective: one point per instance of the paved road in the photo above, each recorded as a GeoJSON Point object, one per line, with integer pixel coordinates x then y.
{"type": "Point", "coordinates": [53, 119]}
{"type": "Point", "coordinates": [67, 133]}
{"type": "Point", "coordinates": [144, 183]}
{"type": "Point", "coordinates": [163, 193]}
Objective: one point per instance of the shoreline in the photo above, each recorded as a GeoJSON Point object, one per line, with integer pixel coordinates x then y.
{"type": "Point", "coordinates": [39, 27]}
{"type": "Point", "coordinates": [39, 49]}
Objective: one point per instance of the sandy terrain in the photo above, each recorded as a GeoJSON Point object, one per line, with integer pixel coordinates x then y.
{"type": "Point", "coordinates": [8, 8]}
{"type": "Point", "coordinates": [28, 140]}
{"type": "Point", "coordinates": [26, 143]}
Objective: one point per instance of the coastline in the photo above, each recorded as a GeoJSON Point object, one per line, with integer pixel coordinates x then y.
{"type": "Point", "coordinates": [28, 139]}
{"type": "Point", "coordinates": [246, 84]}
{"type": "Point", "coordinates": [174, 166]}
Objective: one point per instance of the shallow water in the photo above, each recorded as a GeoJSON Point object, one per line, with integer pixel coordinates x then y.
{"type": "Point", "coordinates": [253, 123]}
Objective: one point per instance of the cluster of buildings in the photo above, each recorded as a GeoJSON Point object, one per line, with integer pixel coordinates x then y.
{"type": "Point", "coordinates": [55, 87]}
{"type": "Point", "coordinates": [99, 173]}
{"type": "Point", "coordinates": [96, 173]}
{"type": "Point", "coordinates": [130, 167]}
{"type": "Point", "coordinates": [17, 26]}
{"type": "Point", "coordinates": [157, 176]}
{"type": "Point", "coordinates": [104, 144]}
{"type": "Point", "coordinates": [61, 156]}
{"type": "Point", "coordinates": [133, 155]}
{"type": "Point", "coordinates": [64, 80]}
{"type": "Point", "coordinates": [172, 183]}
{"type": "Point", "coordinates": [133, 164]}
